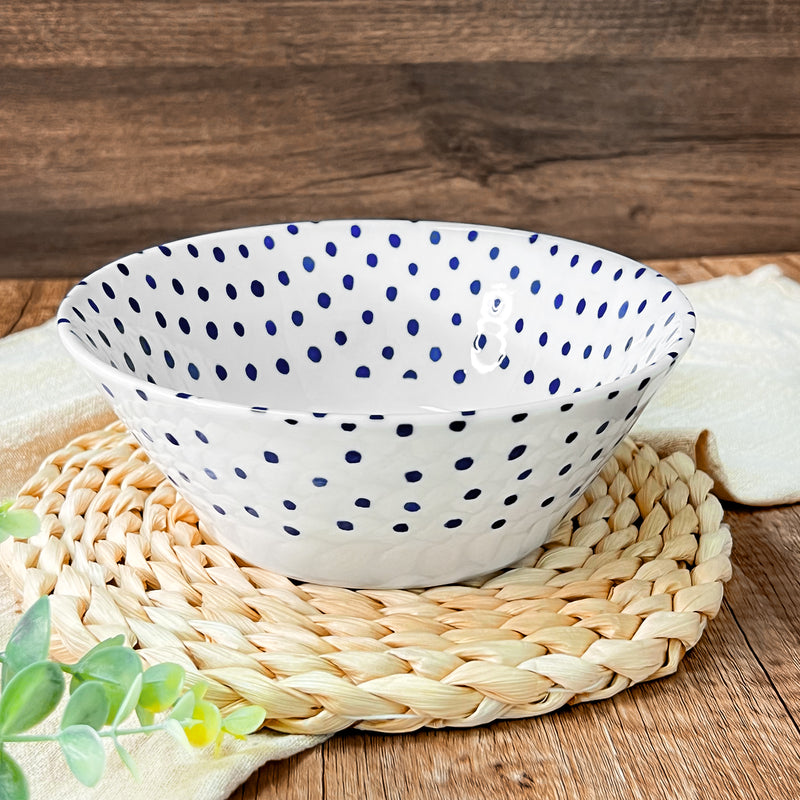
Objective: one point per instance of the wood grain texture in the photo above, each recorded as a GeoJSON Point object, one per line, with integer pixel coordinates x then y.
{"type": "Point", "coordinates": [726, 725]}
{"type": "Point", "coordinates": [655, 129]}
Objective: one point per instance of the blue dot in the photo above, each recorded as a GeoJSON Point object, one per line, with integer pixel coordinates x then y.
{"type": "Point", "coordinates": [472, 236]}
{"type": "Point", "coordinates": [269, 242]}
{"type": "Point", "coordinates": [405, 429]}
{"type": "Point", "coordinates": [283, 277]}
{"type": "Point", "coordinates": [151, 281]}
{"type": "Point", "coordinates": [526, 473]}
{"type": "Point", "coordinates": [464, 463]}
{"type": "Point", "coordinates": [413, 327]}
{"type": "Point", "coordinates": [171, 439]}
{"type": "Point", "coordinates": [494, 252]}
{"type": "Point", "coordinates": [219, 509]}
{"type": "Point", "coordinates": [292, 229]}
{"type": "Point", "coordinates": [413, 476]}
{"type": "Point", "coordinates": [579, 309]}
{"type": "Point", "coordinates": [340, 337]}
{"type": "Point", "coordinates": [391, 293]}
{"type": "Point", "coordinates": [169, 360]}
{"type": "Point", "coordinates": [639, 272]}
{"type": "Point", "coordinates": [573, 261]}
{"type": "Point", "coordinates": [387, 352]}
{"type": "Point", "coordinates": [194, 372]}
{"type": "Point", "coordinates": [238, 328]}
{"type": "Point", "coordinates": [141, 394]}
{"type": "Point", "coordinates": [271, 327]}
{"type": "Point", "coordinates": [435, 237]}
{"type": "Point", "coordinates": [362, 502]}
{"type": "Point", "coordinates": [628, 343]}
{"type": "Point", "coordinates": [401, 527]}
{"type": "Point", "coordinates": [93, 305]}
{"type": "Point", "coordinates": [291, 531]}
{"type": "Point", "coordinates": [240, 473]}
{"type": "Point", "coordinates": [211, 474]}
{"type": "Point", "coordinates": [459, 376]}
{"type": "Point", "coordinates": [314, 354]}
{"type": "Point", "coordinates": [352, 456]}
{"type": "Point", "coordinates": [641, 306]}
{"type": "Point", "coordinates": [596, 267]}
{"type": "Point", "coordinates": [362, 372]}
{"type": "Point", "coordinates": [202, 293]}
{"type": "Point", "coordinates": [435, 293]}
{"type": "Point", "coordinates": [607, 352]}
{"type": "Point", "coordinates": [320, 482]}
{"type": "Point", "coordinates": [517, 451]}
{"type": "Point", "coordinates": [528, 377]}
{"type": "Point", "coordinates": [367, 317]}
{"type": "Point", "coordinates": [519, 325]}
{"type": "Point", "coordinates": [270, 457]}
{"type": "Point", "coordinates": [410, 374]}
{"type": "Point", "coordinates": [565, 348]}
{"type": "Point", "coordinates": [452, 523]}
{"type": "Point", "coordinates": [177, 286]}
{"type": "Point", "coordinates": [623, 310]}
{"type": "Point", "coordinates": [602, 310]}
{"type": "Point", "coordinates": [330, 249]}
{"type": "Point", "coordinates": [587, 351]}
{"type": "Point", "coordinates": [308, 263]}
{"type": "Point", "coordinates": [666, 296]}
{"type": "Point", "coordinates": [183, 324]}
{"type": "Point", "coordinates": [344, 525]}
{"type": "Point", "coordinates": [108, 290]}
{"type": "Point", "coordinates": [558, 300]}
{"type": "Point", "coordinates": [145, 345]}
{"type": "Point", "coordinates": [617, 274]}
{"type": "Point", "coordinates": [543, 338]}
{"type": "Point", "coordinates": [243, 251]}
{"type": "Point", "coordinates": [505, 362]}
{"type": "Point", "coordinates": [372, 260]}
{"type": "Point", "coordinates": [282, 365]}
{"type": "Point", "coordinates": [257, 288]}
{"type": "Point", "coordinates": [165, 250]}
{"type": "Point", "coordinates": [297, 318]}
{"type": "Point", "coordinates": [553, 249]}
{"type": "Point", "coordinates": [475, 287]}
{"type": "Point", "coordinates": [454, 263]}
{"type": "Point", "coordinates": [535, 286]}
{"type": "Point", "coordinates": [481, 341]}
{"type": "Point", "coordinates": [472, 494]}
{"type": "Point", "coordinates": [222, 373]}
{"type": "Point", "coordinates": [456, 319]}
{"type": "Point", "coordinates": [347, 282]}
{"type": "Point", "coordinates": [435, 353]}
{"type": "Point", "coordinates": [132, 302]}
{"type": "Point", "coordinates": [554, 385]}
{"type": "Point", "coordinates": [251, 372]}
{"type": "Point", "coordinates": [411, 506]}
{"type": "Point", "coordinates": [192, 250]}
{"type": "Point", "coordinates": [514, 273]}
{"type": "Point", "coordinates": [218, 254]}
{"type": "Point", "coordinates": [355, 231]}
{"type": "Point", "coordinates": [394, 240]}
{"type": "Point", "coordinates": [251, 511]}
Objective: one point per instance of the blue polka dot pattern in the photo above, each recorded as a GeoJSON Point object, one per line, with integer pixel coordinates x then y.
{"type": "Point", "coordinates": [378, 384]}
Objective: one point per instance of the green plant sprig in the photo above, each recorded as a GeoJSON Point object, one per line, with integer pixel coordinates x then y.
{"type": "Point", "coordinates": [106, 686]}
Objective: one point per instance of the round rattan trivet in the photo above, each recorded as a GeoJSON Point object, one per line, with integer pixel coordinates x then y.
{"type": "Point", "coordinates": [618, 594]}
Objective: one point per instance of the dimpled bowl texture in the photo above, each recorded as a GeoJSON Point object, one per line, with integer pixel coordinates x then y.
{"type": "Point", "coordinates": [378, 403]}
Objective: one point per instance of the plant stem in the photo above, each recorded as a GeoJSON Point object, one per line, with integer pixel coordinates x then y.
{"type": "Point", "coordinates": [107, 733]}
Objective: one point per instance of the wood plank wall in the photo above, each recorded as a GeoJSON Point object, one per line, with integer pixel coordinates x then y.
{"type": "Point", "coordinates": [658, 128]}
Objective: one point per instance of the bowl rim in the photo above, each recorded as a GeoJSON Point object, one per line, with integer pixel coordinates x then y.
{"type": "Point", "coordinates": [95, 366]}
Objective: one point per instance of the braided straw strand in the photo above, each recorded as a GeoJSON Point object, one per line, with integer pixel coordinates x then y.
{"type": "Point", "coordinates": [621, 590]}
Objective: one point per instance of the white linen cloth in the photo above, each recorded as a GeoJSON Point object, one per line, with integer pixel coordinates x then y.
{"type": "Point", "coordinates": [731, 403]}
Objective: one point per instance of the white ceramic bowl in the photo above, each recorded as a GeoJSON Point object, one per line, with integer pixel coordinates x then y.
{"type": "Point", "coordinates": [378, 403]}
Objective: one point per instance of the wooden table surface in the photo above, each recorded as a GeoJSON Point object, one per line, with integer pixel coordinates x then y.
{"type": "Point", "coordinates": [725, 726]}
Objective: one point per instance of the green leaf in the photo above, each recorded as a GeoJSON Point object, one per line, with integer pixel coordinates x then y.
{"type": "Point", "coordinates": [183, 708]}
{"type": "Point", "coordinates": [244, 720]}
{"type": "Point", "coordinates": [162, 685]}
{"type": "Point", "coordinates": [115, 666]}
{"type": "Point", "coordinates": [127, 759]}
{"type": "Point", "coordinates": [30, 696]}
{"type": "Point", "coordinates": [130, 701]}
{"type": "Point", "coordinates": [208, 725]}
{"type": "Point", "coordinates": [13, 785]}
{"type": "Point", "coordinates": [144, 716]}
{"type": "Point", "coordinates": [88, 705]}
{"type": "Point", "coordinates": [19, 523]}
{"type": "Point", "coordinates": [83, 752]}
{"type": "Point", "coordinates": [176, 731]}
{"type": "Point", "coordinates": [29, 641]}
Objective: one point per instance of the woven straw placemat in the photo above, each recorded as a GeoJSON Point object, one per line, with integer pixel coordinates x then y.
{"type": "Point", "coordinates": [618, 594]}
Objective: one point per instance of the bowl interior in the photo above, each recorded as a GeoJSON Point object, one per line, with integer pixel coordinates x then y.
{"type": "Point", "coordinates": [377, 316]}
